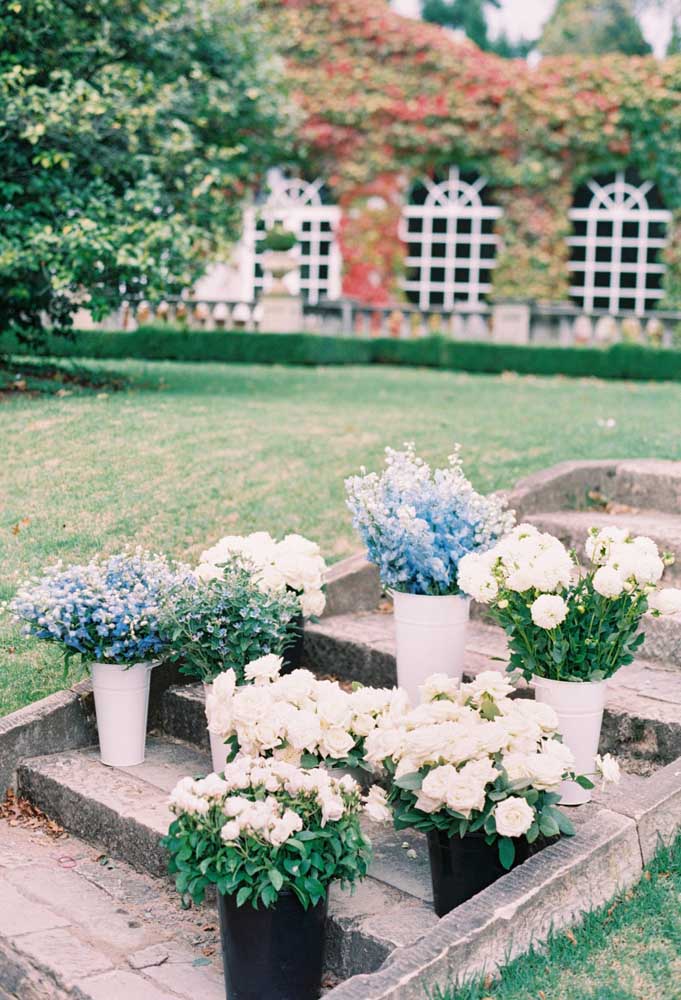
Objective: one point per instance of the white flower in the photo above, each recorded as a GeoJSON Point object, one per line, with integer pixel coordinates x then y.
{"type": "Point", "coordinates": [548, 611]}
{"type": "Point", "coordinates": [489, 682]}
{"type": "Point", "coordinates": [667, 602]}
{"type": "Point", "coordinates": [376, 805]}
{"type": "Point", "coordinates": [608, 582]}
{"type": "Point", "coordinates": [538, 712]}
{"type": "Point", "coordinates": [207, 571]}
{"type": "Point", "coordinates": [475, 576]}
{"type": "Point", "coordinates": [546, 770]}
{"type": "Point", "coordinates": [382, 743]}
{"type": "Point", "coordinates": [312, 603]}
{"type": "Point", "coordinates": [438, 685]}
{"type": "Point", "coordinates": [513, 817]}
{"type": "Point", "coordinates": [336, 742]}
{"type": "Point", "coordinates": [426, 804]}
{"type": "Point", "coordinates": [284, 828]}
{"type": "Point", "coordinates": [608, 768]}
{"type": "Point", "coordinates": [436, 783]}
{"type": "Point", "coordinates": [264, 669]}
{"type": "Point", "coordinates": [600, 541]}
{"type": "Point", "coordinates": [332, 807]}
{"type": "Point", "coordinates": [230, 831]}
{"type": "Point", "coordinates": [466, 791]}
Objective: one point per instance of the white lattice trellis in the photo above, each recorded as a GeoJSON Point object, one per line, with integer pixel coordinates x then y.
{"type": "Point", "coordinates": [299, 206]}
{"type": "Point", "coordinates": [615, 247]}
{"type": "Point", "coordinates": [451, 243]}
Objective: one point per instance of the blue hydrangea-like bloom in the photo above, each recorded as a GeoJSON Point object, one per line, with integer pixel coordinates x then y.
{"type": "Point", "coordinates": [106, 609]}
{"type": "Point", "coordinates": [417, 524]}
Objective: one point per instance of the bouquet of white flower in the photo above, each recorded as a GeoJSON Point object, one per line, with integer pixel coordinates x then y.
{"type": "Point", "coordinates": [271, 838]}
{"type": "Point", "coordinates": [297, 717]}
{"type": "Point", "coordinates": [470, 760]}
{"type": "Point", "coordinates": [294, 563]}
{"type": "Point", "coordinates": [564, 624]}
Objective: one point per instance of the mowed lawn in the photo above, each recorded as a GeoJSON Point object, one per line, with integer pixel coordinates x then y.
{"type": "Point", "coordinates": [192, 452]}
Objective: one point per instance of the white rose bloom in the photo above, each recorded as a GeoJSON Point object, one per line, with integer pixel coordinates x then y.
{"type": "Point", "coordinates": [383, 742]}
{"type": "Point", "coordinates": [207, 571]}
{"type": "Point", "coordinates": [437, 782]}
{"type": "Point", "coordinates": [312, 603]}
{"type": "Point", "coordinates": [376, 805]}
{"type": "Point", "coordinates": [362, 725]}
{"type": "Point", "coordinates": [667, 602]}
{"type": "Point", "coordinates": [561, 753]}
{"type": "Point", "coordinates": [426, 804]}
{"type": "Point", "coordinates": [332, 807]}
{"type": "Point", "coordinates": [489, 682]}
{"type": "Point", "coordinates": [466, 793]}
{"type": "Point", "coordinates": [298, 544]}
{"type": "Point", "coordinates": [536, 712]}
{"type": "Point", "coordinates": [224, 684]}
{"type": "Point", "coordinates": [608, 582]}
{"type": "Point", "coordinates": [608, 768]}
{"type": "Point", "coordinates": [230, 831]}
{"type": "Point", "coordinates": [437, 685]}
{"type": "Point", "coordinates": [284, 828]}
{"type": "Point", "coordinates": [212, 787]}
{"type": "Point", "coordinates": [223, 550]}
{"type": "Point", "coordinates": [264, 669]}
{"type": "Point", "coordinates": [548, 611]}
{"type": "Point", "coordinates": [515, 765]}
{"type": "Point", "coordinates": [635, 563]}
{"type": "Point", "coordinates": [336, 742]}
{"type": "Point", "coordinates": [270, 580]}
{"type": "Point", "coordinates": [546, 770]}
{"type": "Point", "coordinates": [513, 817]}
{"type": "Point", "coordinates": [427, 743]}
{"type": "Point", "coordinates": [303, 730]}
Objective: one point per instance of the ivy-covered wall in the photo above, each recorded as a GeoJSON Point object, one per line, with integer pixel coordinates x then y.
{"type": "Point", "coordinates": [384, 99]}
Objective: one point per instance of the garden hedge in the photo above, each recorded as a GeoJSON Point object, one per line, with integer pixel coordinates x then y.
{"type": "Point", "coordinates": [629, 361]}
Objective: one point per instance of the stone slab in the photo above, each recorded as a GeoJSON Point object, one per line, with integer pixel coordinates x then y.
{"type": "Point", "coordinates": [645, 482]}
{"type": "Point", "coordinates": [352, 584]}
{"type": "Point", "coordinates": [550, 890]}
{"type": "Point", "coordinates": [113, 912]}
{"type": "Point", "coordinates": [124, 810]}
{"type": "Point", "coordinates": [572, 526]}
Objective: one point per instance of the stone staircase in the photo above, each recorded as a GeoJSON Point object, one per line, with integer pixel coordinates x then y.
{"type": "Point", "coordinates": [94, 917]}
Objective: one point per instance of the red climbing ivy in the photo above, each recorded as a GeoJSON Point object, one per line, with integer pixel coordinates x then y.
{"type": "Point", "coordinates": [384, 99]}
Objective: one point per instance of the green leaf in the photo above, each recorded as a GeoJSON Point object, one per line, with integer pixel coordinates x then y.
{"type": "Point", "coordinates": [584, 781]}
{"type": "Point", "coordinates": [506, 852]}
{"type": "Point", "coordinates": [243, 894]}
{"type": "Point", "coordinates": [411, 782]}
{"type": "Point", "coordinates": [276, 878]}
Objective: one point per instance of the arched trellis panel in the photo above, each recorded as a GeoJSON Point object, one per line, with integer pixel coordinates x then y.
{"type": "Point", "coordinates": [619, 232]}
{"type": "Point", "coordinates": [451, 245]}
{"type": "Point", "coordinates": [302, 207]}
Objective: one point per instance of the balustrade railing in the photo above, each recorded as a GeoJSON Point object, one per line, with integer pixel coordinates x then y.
{"type": "Point", "coordinates": [539, 323]}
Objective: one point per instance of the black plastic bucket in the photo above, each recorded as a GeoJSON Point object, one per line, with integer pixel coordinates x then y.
{"type": "Point", "coordinates": [272, 954]}
{"type": "Point", "coordinates": [293, 654]}
{"type": "Point", "coordinates": [460, 867]}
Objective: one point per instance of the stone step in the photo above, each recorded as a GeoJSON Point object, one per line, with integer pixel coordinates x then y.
{"type": "Point", "coordinates": [571, 527]}
{"type": "Point", "coordinates": [642, 724]}
{"type": "Point", "coordinates": [124, 811]}
{"type": "Point", "coordinates": [76, 924]}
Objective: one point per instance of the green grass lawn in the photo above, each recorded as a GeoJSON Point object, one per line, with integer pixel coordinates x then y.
{"type": "Point", "coordinates": [629, 949]}
{"type": "Point", "coordinates": [192, 452]}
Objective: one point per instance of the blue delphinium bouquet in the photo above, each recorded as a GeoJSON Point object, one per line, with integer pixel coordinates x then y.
{"type": "Point", "coordinates": [106, 609]}
{"type": "Point", "coordinates": [417, 523]}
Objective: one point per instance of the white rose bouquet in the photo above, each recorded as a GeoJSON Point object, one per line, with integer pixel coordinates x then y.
{"type": "Point", "coordinates": [469, 760]}
{"type": "Point", "coordinates": [294, 563]}
{"type": "Point", "coordinates": [266, 827]}
{"type": "Point", "coordinates": [297, 717]}
{"type": "Point", "coordinates": [565, 622]}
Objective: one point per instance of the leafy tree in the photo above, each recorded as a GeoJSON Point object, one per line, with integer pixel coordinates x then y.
{"type": "Point", "coordinates": [591, 27]}
{"type": "Point", "coordinates": [469, 16]}
{"type": "Point", "coordinates": [674, 44]}
{"type": "Point", "coordinates": [131, 131]}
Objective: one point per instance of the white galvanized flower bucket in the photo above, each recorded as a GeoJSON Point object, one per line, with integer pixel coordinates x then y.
{"type": "Point", "coordinates": [121, 704]}
{"type": "Point", "coordinates": [431, 637]}
{"type": "Point", "coordinates": [579, 706]}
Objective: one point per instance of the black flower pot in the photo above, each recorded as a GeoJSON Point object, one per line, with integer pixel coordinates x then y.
{"type": "Point", "coordinates": [460, 867]}
{"type": "Point", "coordinates": [293, 654]}
{"type": "Point", "coordinates": [272, 954]}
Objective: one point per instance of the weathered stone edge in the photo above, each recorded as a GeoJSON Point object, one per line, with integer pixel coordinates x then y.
{"type": "Point", "coordinates": [61, 721]}
{"type": "Point", "coordinates": [20, 978]}
{"type": "Point", "coordinates": [353, 584]}
{"type": "Point", "coordinates": [548, 891]}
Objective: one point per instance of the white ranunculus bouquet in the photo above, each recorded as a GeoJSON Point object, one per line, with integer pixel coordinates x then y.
{"type": "Point", "coordinates": [297, 717]}
{"type": "Point", "coordinates": [470, 760]}
{"type": "Point", "coordinates": [294, 562]}
{"type": "Point", "coordinates": [566, 622]}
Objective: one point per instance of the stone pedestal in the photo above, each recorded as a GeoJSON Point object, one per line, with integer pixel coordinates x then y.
{"type": "Point", "coordinates": [281, 313]}
{"type": "Point", "coordinates": [511, 322]}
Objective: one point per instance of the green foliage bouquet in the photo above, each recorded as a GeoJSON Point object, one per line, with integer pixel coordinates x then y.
{"type": "Point", "coordinates": [264, 828]}
{"type": "Point", "coordinates": [212, 626]}
{"type": "Point", "coordinates": [563, 622]}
